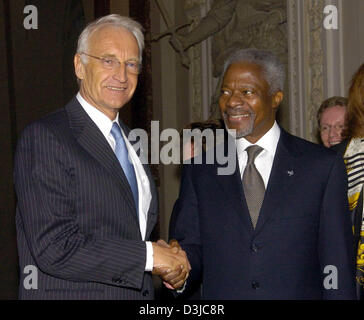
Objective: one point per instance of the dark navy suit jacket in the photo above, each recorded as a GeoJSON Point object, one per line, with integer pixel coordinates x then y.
{"type": "Point", "coordinates": [76, 218]}
{"type": "Point", "coordinates": [302, 231]}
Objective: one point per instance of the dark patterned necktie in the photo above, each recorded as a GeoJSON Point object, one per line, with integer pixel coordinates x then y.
{"type": "Point", "coordinates": [253, 184]}
{"type": "Point", "coordinates": [121, 152]}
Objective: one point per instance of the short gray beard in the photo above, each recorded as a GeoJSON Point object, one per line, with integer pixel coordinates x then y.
{"type": "Point", "coordinates": [245, 131]}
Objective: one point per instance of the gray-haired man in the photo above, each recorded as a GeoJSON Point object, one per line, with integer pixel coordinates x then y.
{"type": "Point", "coordinates": [85, 212]}
{"type": "Point", "coordinates": [279, 227]}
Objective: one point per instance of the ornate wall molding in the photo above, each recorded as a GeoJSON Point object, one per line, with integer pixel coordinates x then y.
{"type": "Point", "coordinates": [306, 65]}
{"type": "Point", "coordinates": [297, 95]}
{"type": "Point", "coordinates": [315, 65]}
{"type": "Point", "coordinates": [201, 82]}
{"type": "Point", "coordinates": [334, 56]}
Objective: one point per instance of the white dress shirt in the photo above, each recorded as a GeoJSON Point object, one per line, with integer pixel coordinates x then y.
{"type": "Point", "coordinates": [144, 194]}
{"type": "Point", "coordinates": [264, 160]}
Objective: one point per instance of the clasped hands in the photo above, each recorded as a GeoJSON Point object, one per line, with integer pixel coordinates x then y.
{"type": "Point", "coordinates": [170, 263]}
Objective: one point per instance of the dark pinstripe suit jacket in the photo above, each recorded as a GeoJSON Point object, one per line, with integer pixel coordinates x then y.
{"type": "Point", "coordinates": [76, 219]}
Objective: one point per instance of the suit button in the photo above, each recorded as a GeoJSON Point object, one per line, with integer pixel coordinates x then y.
{"type": "Point", "coordinates": [145, 293]}
{"type": "Point", "coordinates": [255, 247]}
{"type": "Point", "coordinates": [120, 280]}
{"type": "Point", "coordinates": [255, 285]}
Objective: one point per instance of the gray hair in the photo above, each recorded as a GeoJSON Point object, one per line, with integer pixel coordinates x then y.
{"type": "Point", "coordinates": [273, 69]}
{"type": "Point", "coordinates": [113, 20]}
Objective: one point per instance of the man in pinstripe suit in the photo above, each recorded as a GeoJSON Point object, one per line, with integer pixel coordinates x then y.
{"type": "Point", "coordinates": [82, 225]}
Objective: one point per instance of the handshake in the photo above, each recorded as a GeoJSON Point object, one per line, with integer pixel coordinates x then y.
{"type": "Point", "coordinates": [170, 263]}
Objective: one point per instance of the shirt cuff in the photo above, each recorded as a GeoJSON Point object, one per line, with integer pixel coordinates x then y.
{"type": "Point", "coordinates": [183, 288]}
{"type": "Point", "coordinates": [149, 262]}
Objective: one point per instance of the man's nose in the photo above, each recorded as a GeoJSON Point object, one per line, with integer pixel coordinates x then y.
{"type": "Point", "coordinates": [334, 132]}
{"type": "Point", "coordinates": [120, 73]}
{"type": "Point", "coordinates": [235, 100]}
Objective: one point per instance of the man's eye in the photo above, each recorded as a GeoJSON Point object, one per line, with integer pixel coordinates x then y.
{"type": "Point", "coordinates": [131, 64]}
{"type": "Point", "coordinates": [108, 61]}
{"type": "Point", "coordinates": [247, 92]}
{"type": "Point", "coordinates": [224, 92]}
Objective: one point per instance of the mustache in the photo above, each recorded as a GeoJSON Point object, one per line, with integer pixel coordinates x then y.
{"type": "Point", "coordinates": [238, 111]}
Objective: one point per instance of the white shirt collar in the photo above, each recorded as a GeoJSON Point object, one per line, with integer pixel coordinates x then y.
{"type": "Point", "coordinates": [102, 121]}
{"type": "Point", "coordinates": [268, 142]}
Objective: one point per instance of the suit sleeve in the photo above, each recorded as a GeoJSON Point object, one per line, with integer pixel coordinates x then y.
{"type": "Point", "coordinates": [47, 201]}
{"type": "Point", "coordinates": [335, 237]}
{"type": "Point", "coordinates": [184, 227]}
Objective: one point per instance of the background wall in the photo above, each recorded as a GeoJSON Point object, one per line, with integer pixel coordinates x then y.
{"type": "Point", "coordinates": [353, 38]}
{"type": "Point", "coordinates": [170, 101]}
{"type": "Point", "coordinates": [8, 254]}
{"type": "Point", "coordinates": [36, 77]}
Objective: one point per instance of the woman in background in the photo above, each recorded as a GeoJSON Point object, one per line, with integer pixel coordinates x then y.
{"type": "Point", "coordinates": [353, 152]}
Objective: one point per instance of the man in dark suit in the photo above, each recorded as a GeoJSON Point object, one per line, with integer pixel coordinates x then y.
{"type": "Point", "coordinates": [85, 211]}
{"type": "Point", "coordinates": [279, 226]}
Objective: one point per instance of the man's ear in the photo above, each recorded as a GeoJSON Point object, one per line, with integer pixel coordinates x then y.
{"type": "Point", "coordinates": [79, 66]}
{"type": "Point", "coordinates": [277, 99]}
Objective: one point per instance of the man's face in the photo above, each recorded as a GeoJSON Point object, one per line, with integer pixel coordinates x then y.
{"type": "Point", "coordinates": [108, 90]}
{"type": "Point", "coordinates": [332, 123]}
{"type": "Point", "coordinates": [245, 102]}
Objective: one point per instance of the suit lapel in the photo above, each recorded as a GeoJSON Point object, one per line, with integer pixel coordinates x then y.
{"type": "Point", "coordinates": [92, 140]}
{"type": "Point", "coordinates": [234, 194]}
{"type": "Point", "coordinates": [153, 208]}
{"type": "Point", "coordinates": [281, 179]}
